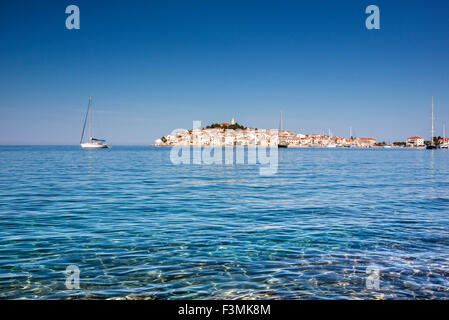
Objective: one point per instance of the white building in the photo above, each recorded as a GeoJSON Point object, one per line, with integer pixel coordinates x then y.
{"type": "Point", "coordinates": [415, 142]}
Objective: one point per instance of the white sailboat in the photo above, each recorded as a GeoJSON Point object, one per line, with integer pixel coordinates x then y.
{"type": "Point", "coordinates": [432, 142]}
{"type": "Point", "coordinates": [92, 143]}
{"type": "Point", "coordinates": [281, 144]}
{"type": "Point", "coordinates": [331, 144]}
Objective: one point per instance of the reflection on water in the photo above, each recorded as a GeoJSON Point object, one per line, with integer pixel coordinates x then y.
{"type": "Point", "coordinates": [139, 227]}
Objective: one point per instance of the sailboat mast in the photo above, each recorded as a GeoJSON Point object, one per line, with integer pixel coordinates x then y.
{"type": "Point", "coordinates": [432, 142]}
{"type": "Point", "coordinates": [280, 122]}
{"type": "Point", "coordinates": [444, 132]}
{"type": "Point", "coordinates": [85, 121]}
{"type": "Point", "coordinates": [90, 118]}
{"type": "Point", "coordinates": [279, 127]}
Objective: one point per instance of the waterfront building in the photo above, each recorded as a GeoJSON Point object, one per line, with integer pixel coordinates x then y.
{"type": "Point", "coordinates": [222, 136]}
{"type": "Point", "coordinates": [366, 142]}
{"type": "Point", "coordinates": [415, 142]}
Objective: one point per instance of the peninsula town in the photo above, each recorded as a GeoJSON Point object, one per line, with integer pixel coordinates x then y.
{"type": "Point", "coordinates": [234, 135]}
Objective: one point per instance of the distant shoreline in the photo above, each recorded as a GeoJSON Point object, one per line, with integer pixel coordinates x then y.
{"type": "Point", "coordinates": [209, 146]}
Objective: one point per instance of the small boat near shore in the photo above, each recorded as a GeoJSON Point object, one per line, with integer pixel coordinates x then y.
{"type": "Point", "coordinates": [432, 145]}
{"type": "Point", "coordinates": [92, 143]}
{"type": "Point", "coordinates": [281, 145]}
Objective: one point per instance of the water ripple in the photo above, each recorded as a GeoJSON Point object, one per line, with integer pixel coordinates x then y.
{"type": "Point", "coordinates": [139, 227]}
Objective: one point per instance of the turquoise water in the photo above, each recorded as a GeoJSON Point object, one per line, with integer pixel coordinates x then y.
{"type": "Point", "coordinates": [138, 226]}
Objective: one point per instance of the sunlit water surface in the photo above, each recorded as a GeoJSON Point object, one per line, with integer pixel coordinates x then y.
{"type": "Point", "coordinates": [138, 226]}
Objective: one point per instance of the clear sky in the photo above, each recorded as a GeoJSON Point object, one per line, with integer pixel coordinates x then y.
{"type": "Point", "coordinates": [153, 66]}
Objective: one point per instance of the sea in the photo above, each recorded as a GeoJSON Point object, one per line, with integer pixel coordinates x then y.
{"type": "Point", "coordinates": [128, 223]}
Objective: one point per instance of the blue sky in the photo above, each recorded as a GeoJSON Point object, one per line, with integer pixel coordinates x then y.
{"type": "Point", "coordinates": [153, 66]}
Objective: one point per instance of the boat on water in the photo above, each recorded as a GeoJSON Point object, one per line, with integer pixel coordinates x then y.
{"type": "Point", "coordinates": [331, 143]}
{"type": "Point", "coordinates": [91, 143]}
{"type": "Point", "coordinates": [95, 144]}
{"type": "Point", "coordinates": [281, 144]}
{"type": "Point", "coordinates": [432, 145]}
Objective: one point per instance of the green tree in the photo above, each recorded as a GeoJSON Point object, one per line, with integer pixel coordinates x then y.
{"type": "Point", "coordinates": [232, 126]}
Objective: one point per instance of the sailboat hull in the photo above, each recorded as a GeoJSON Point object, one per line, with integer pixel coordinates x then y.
{"type": "Point", "coordinates": [94, 146]}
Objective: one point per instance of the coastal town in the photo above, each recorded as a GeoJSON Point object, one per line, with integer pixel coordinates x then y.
{"type": "Point", "coordinates": [235, 135]}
